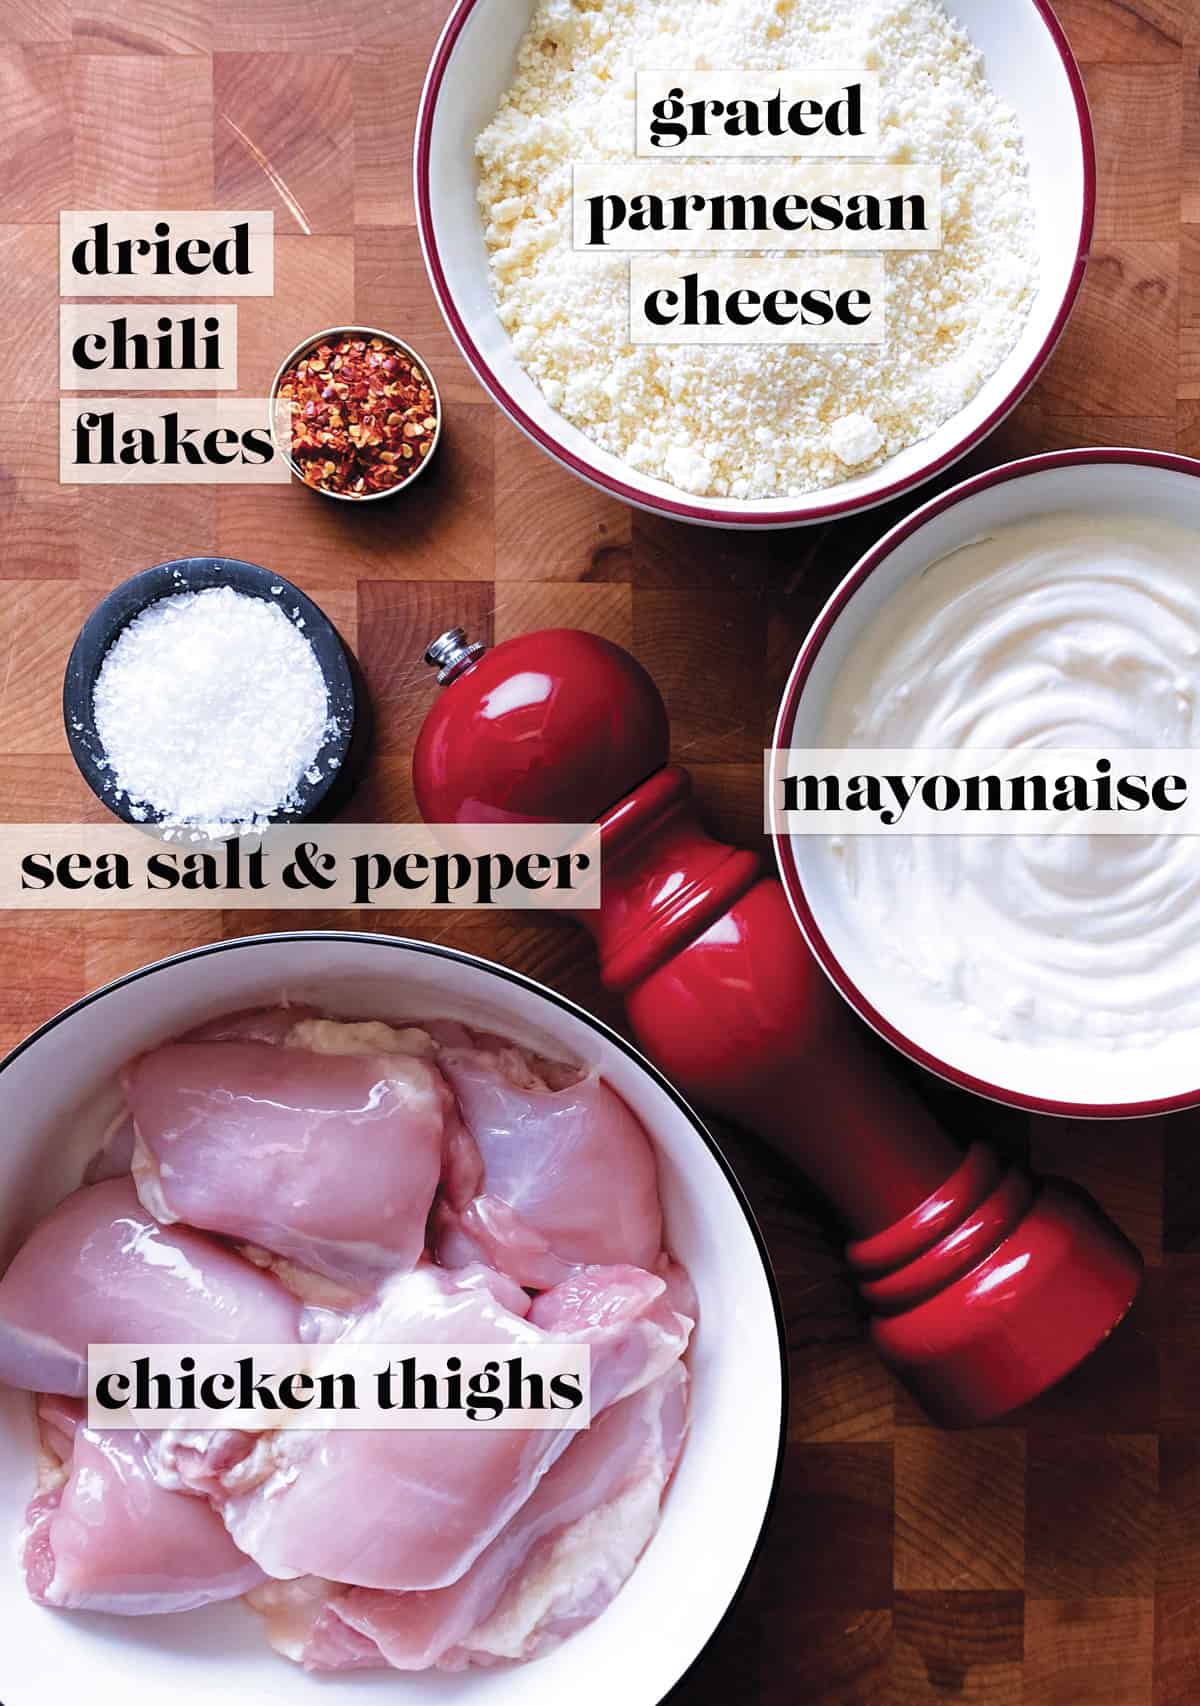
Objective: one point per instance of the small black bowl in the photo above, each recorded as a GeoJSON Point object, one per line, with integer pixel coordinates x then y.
{"type": "Point", "coordinates": [320, 799]}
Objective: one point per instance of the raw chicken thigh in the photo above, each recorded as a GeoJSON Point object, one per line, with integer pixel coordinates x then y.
{"type": "Point", "coordinates": [280, 1177]}
{"type": "Point", "coordinates": [331, 1160]}
{"type": "Point", "coordinates": [569, 1175]}
{"type": "Point", "coordinates": [557, 1564]}
{"type": "Point", "coordinates": [252, 1025]}
{"type": "Point", "coordinates": [109, 1539]}
{"type": "Point", "coordinates": [100, 1270]}
{"type": "Point", "coordinates": [416, 1508]}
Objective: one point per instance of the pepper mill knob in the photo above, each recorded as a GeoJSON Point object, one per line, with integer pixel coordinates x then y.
{"type": "Point", "coordinates": [450, 654]}
{"type": "Point", "coordinates": [985, 1285]}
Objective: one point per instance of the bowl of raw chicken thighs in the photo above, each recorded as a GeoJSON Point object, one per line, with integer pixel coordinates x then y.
{"type": "Point", "coordinates": [302, 1137]}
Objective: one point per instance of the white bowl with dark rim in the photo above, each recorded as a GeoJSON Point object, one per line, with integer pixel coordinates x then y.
{"type": "Point", "coordinates": [332, 764]}
{"type": "Point", "coordinates": [1097, 1082]}
{"type": "Point", "coordinates": [57, 1092]}
{"type": "Point", "coordinates": [1028, 63]}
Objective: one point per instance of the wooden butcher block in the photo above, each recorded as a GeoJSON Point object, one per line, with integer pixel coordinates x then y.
{"type": "Point", "coordinates": [1050, 1561]}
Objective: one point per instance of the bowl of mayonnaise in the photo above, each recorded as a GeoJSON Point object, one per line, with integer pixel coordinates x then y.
{"type": "Point", "coordinates": [986, 784]}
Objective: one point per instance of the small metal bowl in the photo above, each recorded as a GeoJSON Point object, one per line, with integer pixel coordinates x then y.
{"type": "Point", "coordinates": [194, 574]}
{"type": "Point", "coordinates": [331, 335]}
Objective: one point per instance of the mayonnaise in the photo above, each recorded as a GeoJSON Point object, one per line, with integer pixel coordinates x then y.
{"type": "Point", "coordinates": [1065, 632]}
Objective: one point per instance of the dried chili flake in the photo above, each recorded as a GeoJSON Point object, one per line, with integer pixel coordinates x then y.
{"type": "Point", "coordinates": [364, 415]}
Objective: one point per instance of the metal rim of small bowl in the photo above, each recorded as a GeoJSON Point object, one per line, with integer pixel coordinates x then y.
{"type": "Point", "coordinates": [333, 333]}
{"type": "Point", "coordinates": [118, 608]}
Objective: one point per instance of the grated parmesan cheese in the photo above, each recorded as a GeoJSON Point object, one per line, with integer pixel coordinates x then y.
{"type": "Point", "coordinates": [742, 421]}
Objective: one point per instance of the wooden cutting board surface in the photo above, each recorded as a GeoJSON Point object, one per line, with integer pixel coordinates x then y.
{"type": "Point", "coordinates": [1054, 1561]}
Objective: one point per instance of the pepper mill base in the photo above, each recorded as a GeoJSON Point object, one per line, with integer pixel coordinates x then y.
{"type": "Point", "coordinates": [994, 1289]}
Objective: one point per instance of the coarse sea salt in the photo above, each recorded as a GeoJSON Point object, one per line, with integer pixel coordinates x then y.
{"type": "Point", "coordinates": [211, 708]}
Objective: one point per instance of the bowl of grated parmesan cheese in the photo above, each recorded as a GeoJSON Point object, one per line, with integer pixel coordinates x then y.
{"type": "Point", "coordinates": [521, 92]}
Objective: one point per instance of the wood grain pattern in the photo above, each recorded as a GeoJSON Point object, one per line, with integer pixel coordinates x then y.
{"type": "Point", "coordinates": [959, 1501]}
{"type": "Point", "coordinates": [962, 1646]}
{"type": "Point", "coordinates": [1053, 1561]}
{"type": "Point", "coordinates": [1096, 1652]}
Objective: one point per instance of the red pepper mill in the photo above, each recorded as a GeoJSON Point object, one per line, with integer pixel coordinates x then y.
{"type": "Point", "coordinates": [984, 1286]}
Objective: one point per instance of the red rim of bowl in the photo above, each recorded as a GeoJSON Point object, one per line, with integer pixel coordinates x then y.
{"type": "Point", "coordinates": [785, 854]}
{"type": "Point", "coordinates": [698, 512]}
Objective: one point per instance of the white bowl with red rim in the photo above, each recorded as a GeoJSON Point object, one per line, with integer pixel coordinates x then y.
{"type": "Point", "coordinates": [58, 1092]}
{"type": "Point", "coordinates": [1028, 63]}
{"type": "Point", "coordinates": [1096, 1082]}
